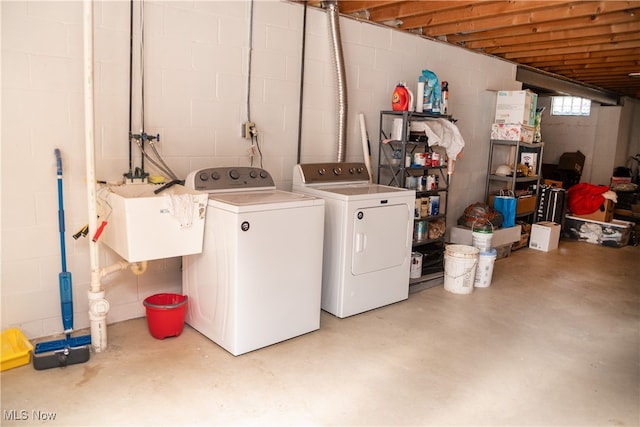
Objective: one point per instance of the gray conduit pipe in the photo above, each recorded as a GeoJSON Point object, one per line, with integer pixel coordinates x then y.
{"type": "Point", "coordinates": [341, 89]}
{"type": "Point", "coordinates": [304, 48]}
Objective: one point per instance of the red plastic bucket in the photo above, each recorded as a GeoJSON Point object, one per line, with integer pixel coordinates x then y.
{"type": "Point", "coordinates": [165, 314]}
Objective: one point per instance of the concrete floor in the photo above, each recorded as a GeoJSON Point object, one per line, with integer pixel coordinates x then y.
{"type": "Point", "coordinates": [554, 341]}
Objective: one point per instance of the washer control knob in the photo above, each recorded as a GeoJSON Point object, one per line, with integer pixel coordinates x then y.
{"type": "Point", "coordinates": [234, 174]}
{"type": "Point", "coordinates": [263, 174]}
{"type": "Point", "coordinates": [203, 176]}
{"type": "Point", "coordinates": [360, 170]}
{"type": "Point", "coordinates": [353, 170]}
{"type": "Point", "coordinates": [253, 174]}
{"type": "Point", "coordinates": [322, 171]}
{"type": "Point", "coordinates": [337, 171]}
{"type": "Point", "coordinates": [215, 176]}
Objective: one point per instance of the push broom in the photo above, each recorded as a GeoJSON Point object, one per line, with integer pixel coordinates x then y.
{"type": "Point", "coordinates": [70, 350]}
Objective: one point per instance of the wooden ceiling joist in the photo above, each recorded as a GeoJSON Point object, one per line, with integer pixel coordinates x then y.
{"type": "Point", "coordinates": [596, 43]}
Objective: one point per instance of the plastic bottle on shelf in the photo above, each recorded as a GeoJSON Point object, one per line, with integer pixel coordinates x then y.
{"type": "Point", "coordinates": [445, 97]}
{"type": "Point", "coordinates": [420, 98]}
{"type": "Point", "coordinates": [402, 98]}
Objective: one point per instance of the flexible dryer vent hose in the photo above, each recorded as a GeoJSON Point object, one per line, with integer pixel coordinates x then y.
{"type": "Point", "coordinates": [341, 80]}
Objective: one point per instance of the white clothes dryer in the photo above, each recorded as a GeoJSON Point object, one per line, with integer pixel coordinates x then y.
{"type": "Point", "coordinates": [258, 280]}
{"type": "Point", "coordinates": [367, 236]}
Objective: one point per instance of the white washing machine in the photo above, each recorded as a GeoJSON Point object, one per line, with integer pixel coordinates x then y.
{"type": "Point", "coordinates": [367, 236]}
{"type": "Point", "coordinates": [258, 279]}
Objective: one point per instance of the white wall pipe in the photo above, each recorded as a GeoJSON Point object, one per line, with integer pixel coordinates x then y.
{"type": "Point", "coordinates": [98, 306]}
{"type": "Point", "coordinates": [366, 149]}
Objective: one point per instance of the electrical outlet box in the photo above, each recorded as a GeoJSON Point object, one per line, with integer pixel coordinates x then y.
{"type": "Point", "coordinates": [247, 129]}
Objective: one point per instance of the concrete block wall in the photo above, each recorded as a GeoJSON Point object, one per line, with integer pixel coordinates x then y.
{"type": "Point", "coordinates": [195, 95]}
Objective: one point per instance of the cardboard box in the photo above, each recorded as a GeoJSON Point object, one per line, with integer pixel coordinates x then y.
{"type": "Point", "coordinates": [620, 180]}
{"type": "Point", "coordinates": [501, 236]}
{"type": "Point", "coordinates": [614, 234]}
{"type": "Point", "coordinates": [529, 158]}
{"type": "Point", "coordinates": [524, 204]}
{"type": "Point", "coordinates": [503, 251]}
{"type": "Point", "coordinates": [523, 243]}
{"type": "Point", "coordinates": [604, 212]}
{"type": "Point", "coordinates": [517, 107]}
{"type": "Point", "coordinates": [524, 237]}
{"type": "Point", "coordinates": [545, 236]}
{"type": "Point", "coordinates": [552, 183]}
{"type": "Point", "coordinates": [512, 132]}
{"type": "Point", "coordinates": [572, 162]}
{"type": "Point", "coordinates": [143, 226]}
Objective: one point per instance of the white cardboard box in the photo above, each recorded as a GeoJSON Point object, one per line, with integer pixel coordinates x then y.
{"type": "Point", "coordinates": [502, 236]}
{"type": "Point", "coordinates": [516, 106]}
{"type": "Point", "coordinates": [545, 236]}
{"type": "Point", "coordinates": [143, 226]}
{"type": "Point", "coordinates": [512, 132]}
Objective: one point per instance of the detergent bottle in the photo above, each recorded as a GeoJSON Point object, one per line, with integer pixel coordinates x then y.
{"type": "Point", "coordinates": [402, 98]}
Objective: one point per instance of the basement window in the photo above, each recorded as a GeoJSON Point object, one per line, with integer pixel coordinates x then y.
{"type": "Point", "coordinates": [570, 106]}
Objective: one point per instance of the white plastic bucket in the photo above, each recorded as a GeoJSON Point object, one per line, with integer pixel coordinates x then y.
{"type": "Point", "coordinates": [416, 265]}
{"type": "Point", "coordinates": [482, 240]}
{"type": "Point", "coordinates": [484, 271]}
{"type": "Point", "coordinates": [460, 262]}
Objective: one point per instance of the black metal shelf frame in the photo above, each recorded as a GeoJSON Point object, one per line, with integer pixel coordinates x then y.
{"type": "Point", "coordinates": [394, 172]}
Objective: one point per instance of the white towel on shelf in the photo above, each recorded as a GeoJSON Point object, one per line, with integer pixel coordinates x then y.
{"type": "Point", "coordinates": [443, 133]}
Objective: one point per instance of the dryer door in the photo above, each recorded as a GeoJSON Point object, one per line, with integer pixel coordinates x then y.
{"type": "Point", "coordinates": [381, 238]}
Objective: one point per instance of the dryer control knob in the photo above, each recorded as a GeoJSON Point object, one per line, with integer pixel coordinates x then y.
{"type": "Point", "coordinates": [321, 171]}
{"type": "Point", "coordinates": [203, 176]}
{"type": "Point", "coordinates": [253, 174]}
{"type": "Point", "coordinates": [360, 170]}
{"type": "Point", "coordinates": [352, 170]}
{"type": "Point", "coordinates": [215, 176]}
{"type": "Point", "coordinates": [263, 174]}
{"type": "Point", "coordinates": [337, 171]}
{"type": "Point", "coordinates": [234, 174]}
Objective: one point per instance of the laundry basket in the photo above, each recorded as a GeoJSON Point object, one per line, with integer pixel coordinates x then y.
{"type": "Point", "coordinates": [165, 314]}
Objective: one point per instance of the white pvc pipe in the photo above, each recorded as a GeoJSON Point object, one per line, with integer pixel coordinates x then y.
{"type": "Point", "coordinates": [364, 135]}
{"type": "Point", "coordinates": [98, 306]}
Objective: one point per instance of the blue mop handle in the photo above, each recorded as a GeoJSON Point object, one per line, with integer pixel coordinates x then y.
{"type": "Point", "coordinates": [61, 210]}
{"type": "Point", "coordinates": [64, 278]}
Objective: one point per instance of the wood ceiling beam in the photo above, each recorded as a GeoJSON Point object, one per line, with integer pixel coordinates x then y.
{"type": "Point", "coordinates": [606, 72]}
{"type": "Point", "coordinates": [618, 78]}
{"type": "Point", "coordinates": [593, 42]}
{"type": "Point", "coordinates": [591, 66]}
{"type": "Point", "coordinates": [477, 16]}
{"type": "Point", "coordinates": [352, 6]}
{"type": "Point", "coordinates": [601, 56]}
{"type": "Point", "coordinates": [587, 44]}
{"type": "Point", "coordinates": [547, 11]}
{"type": "Point", "coordinates": [558, 37]}
{"type": "Point", "coordinates": [386, 11]}
{"type": "Point", "coordinates": [612, 13]}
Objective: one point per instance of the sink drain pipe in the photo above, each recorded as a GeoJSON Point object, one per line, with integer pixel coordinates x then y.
{"type": "Point", "coordinates": [98, 305]}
